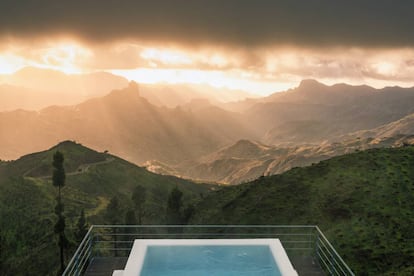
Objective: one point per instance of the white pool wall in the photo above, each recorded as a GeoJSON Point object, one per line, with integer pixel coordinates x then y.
{"type": "Point", "coordinates": [137, 256]}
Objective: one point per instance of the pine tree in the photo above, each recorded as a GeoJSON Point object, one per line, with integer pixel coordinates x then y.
{"type": "Point", "coordinates": [188, 212]}
{"type": "Point", "coordinates": [58, 178]}
{"type": "Point", "coordinates": [113, 211]}
{"type": "Point", "coordinates": [1, 251]}
{"type": "Point", "coordinates": [174, 205]}
{"type": "Point", "coordinates": [113, 216]}
{"type": "Point", "coordinates": [82, 227]}
{"type": "Point", "coordinates": [138, 197]}
{"type": "Point", "coordinates": [59, 175]}
{"type": "Point", "coordinates": [130, 218]}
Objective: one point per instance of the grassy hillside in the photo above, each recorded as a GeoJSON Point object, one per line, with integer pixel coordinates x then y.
{"type": "Point", "coordinates": [27, 199]}
{"type": "Point", "coordinates": [364, 203]}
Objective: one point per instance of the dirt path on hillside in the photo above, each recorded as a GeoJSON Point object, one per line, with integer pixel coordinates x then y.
{"type": "Point", "coordinates": [80, 170]}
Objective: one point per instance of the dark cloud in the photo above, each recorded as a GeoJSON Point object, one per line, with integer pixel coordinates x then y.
{"type": "Point", "coordinates": [309, 23]}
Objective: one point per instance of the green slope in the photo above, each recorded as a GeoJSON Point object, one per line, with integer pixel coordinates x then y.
{"type": "Point", "coordinates": [27, 199]}
{"type": "Point", "coordinates": [364, 203]}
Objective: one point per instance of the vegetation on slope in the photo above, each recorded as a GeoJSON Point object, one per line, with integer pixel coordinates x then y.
{"type": "Point", "coordinates": [363, 202]}
{"type": "Point", "coordinates": [27, 199]}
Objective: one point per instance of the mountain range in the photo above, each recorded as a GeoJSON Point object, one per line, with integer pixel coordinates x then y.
{"type": "Point", "coordinates": [35, 88]}
{"type": "Point", "coordinates": [247, 160]}
{"type": "Point", "coordinates": [205, 139]}
{"type": "Point", "coordinates": [122, 122]}
{"type": "Point", "coordinates": [314, 112]}
{"type": "Point", "coordinates": [362, 199]}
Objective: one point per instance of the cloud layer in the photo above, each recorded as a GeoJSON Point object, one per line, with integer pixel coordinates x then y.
{"type": "Point", "coordinates": [245, 23]}
{"type": "Point", "coordinates": [271, 43]}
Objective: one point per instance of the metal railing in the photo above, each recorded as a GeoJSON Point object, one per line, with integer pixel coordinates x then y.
{"type": "Point", "coordinates": [111, 241]}
{"type": "Point", "coordinates": [328, 258]}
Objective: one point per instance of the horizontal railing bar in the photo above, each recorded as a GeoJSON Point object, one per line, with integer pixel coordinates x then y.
{"type": "Point", "coordinates": [124, 248]}
{"type": "Point", "coordinates": [331, 264]}
{"type": "Point", "coordinates": [336, 253]}
{"type": "Point", "coordinates": [326, 266]}
{"type": "Point", "coordinates": [298, 248]}
{"type": "Point", "coordinates": [77, 251]}
{"type": "Point", "coordinates": [338, 264]}
{"type": "Point", "coordinates": [132, 241]}
{"type": "Point", "coordinates": [80, 263]}
{"type": "Point", "coordinates": [86, 247]}
{"type": "Point", "coordinates": [80, 256]}
{"type": "Point", "coordinates": [206, 234]}
{"type": "Point", "coordinates": [322, 251]}
{"type": "Point", "coordinates": [84, 262]}
{"type": "Point", "coordinates": [207, 226]}
{"type": "Point", "coordinates": [114, 249]}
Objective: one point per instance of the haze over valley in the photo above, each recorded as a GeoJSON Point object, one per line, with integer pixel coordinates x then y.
{"type": "Point", "coordinates": [214, 140]}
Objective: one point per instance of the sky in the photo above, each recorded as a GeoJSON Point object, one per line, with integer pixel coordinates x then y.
{"type": "Point", "coordinates": [261, 46]}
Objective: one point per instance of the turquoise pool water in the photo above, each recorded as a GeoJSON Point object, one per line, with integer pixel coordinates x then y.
{"type": "Point", "coordinates": [217, 260]}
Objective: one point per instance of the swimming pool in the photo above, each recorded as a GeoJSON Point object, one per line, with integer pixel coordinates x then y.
{"type": "Point", "coordinates": [221, 257]}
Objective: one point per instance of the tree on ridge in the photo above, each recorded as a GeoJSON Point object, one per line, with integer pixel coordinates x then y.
{"type": "Point", "coordinates": [138, 197]}
{"type": "Point", "coordinates": [58, 180]}
{"type": "Point", "coordinates": [113, 215]}
{"type": "Point", "coordinates": [82, 227]}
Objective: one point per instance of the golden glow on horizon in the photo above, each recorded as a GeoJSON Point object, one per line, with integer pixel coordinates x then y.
{"type": "Point", "coordinates": [63, 57]}
{"type": "Point", "coordinates": [231, 80]}
{"type": "Point", "coordinates": [166, 57]}
{"type": "Point", "coordinates": [385, 68]}
{"type": "Point", "coordinates": [259, 72]}
{"type": "Point", "coordinates": [10, 63]}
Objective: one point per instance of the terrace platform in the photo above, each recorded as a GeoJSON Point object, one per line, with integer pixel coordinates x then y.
{"type": "Point", "coordinates": [106, 248]}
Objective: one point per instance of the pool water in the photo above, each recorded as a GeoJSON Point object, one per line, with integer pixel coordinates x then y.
{"type": "Point", "coordinates": [200, 260]}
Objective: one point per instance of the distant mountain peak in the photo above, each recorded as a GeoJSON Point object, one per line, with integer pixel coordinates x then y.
{"type": "Point", "coordinates": [244, 148]}
{"type": "Point", "coordinates": [133, 85]}
{"type": "Point", "coordinates": [66, 144]}
{"type": "Point", "coordinates": [245, 142]}
{"type": "Point", "coordinates": [310, 84]}
{"type": "Point", "coordinates": [132, 88]}
{"type": "Point", "coordinates": [36, 71]}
